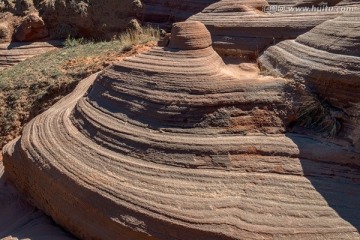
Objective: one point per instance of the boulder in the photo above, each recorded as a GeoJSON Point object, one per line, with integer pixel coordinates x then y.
{"type": "Point", "coordinates": [31, 28]}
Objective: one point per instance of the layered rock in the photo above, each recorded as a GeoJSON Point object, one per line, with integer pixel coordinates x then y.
{"type": "Point", "coordinates": [175, 144]}
{"type": "Point", "coordinates": [15, 52]}
{"type": "Point", "coordinates": [327, 59]}
{"type": "Point", "coordinates": [241, 27]}
{"type": "Point", "coordinates": [105, 19]}
{"type": "Point", "coordinates": [20, 220]}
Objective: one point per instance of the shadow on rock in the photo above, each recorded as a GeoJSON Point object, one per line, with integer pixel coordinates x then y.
{"type": "Point", "coordinates": [21, 220]}
{"type": "Point", "coordinates": [332, 171]}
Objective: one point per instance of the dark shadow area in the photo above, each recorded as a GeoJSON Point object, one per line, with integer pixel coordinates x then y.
{"type": "Point", "coordinates": [338, 182]}
{"type": "Point", "coordinates": [164, 13]}
{"type": "Point", "coordinates": [15, 45]}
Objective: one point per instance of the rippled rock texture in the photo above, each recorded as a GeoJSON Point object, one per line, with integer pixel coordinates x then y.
{"type": "Point", "coordinates": [327, 60]}
{"type": "Point", "coordinates": [175, 144]}
{"type": "Point", "coordinates": [243, 27]}
{"type": "Point", "coordinates": [15, 52]}
{"type": "Point", "coordinates": [20, 220]}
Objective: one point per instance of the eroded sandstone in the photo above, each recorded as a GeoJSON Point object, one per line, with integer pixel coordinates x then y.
{"type": "Point", "coordinates": [165, 145]}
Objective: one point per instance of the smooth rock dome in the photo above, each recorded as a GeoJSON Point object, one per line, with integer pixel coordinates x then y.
{"type": "Point", "coordinates": [190, 35]}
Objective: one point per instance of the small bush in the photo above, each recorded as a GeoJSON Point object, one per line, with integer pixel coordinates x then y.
{"type": "Point", "coordinates": [73, 42]}
{"type": "Point", "coordinates": [63, 31]}
{"type": "Point", "coordinates": [133, 36]}
{"type": "Point", "coordinates": [316, 114]}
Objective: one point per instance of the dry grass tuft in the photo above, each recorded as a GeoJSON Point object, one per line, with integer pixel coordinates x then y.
{"type": "Point", "coordinates": [132, 37]}
{"type": "Point", "coordinates": [315, 114]}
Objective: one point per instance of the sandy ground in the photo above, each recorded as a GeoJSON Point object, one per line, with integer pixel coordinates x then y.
{"type": "Point", "coordinates": [20, 220]}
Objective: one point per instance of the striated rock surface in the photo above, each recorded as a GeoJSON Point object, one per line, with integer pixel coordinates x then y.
{"type": "Point", "coordinates": [175, 144]}
{"type": "Point", "coordinates": [241, 27]}
{"type": "Point", "coordinates": [104, 19]}
{"type": "Point", "coordinates": [15, 52]}
{"type": "Point", "coordinates": [20, 220]}
{"type": "Point", "coordinates": [327, 59]}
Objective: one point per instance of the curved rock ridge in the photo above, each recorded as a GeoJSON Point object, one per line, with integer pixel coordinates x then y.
{"type": "Point", "coordinates": [163, 146]}
{"type": "Point", "coordinates": [16, 52]}
{"type": "Point", "coordinates": [327, 58]}
{"type": "Point", "coordinates": [20, 220]}
{"type": "Point", "coordinates": [241, 27]}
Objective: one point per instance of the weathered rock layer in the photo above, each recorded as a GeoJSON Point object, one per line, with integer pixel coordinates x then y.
{"type": "Point", "coordinates": [174, 144]}
{"type": "Point", "coordinates": [327, 60]}
{"type": "Point", "coordinates": [20, 220]}
{"type": "Point", "coordinates": [242, 26]}
{"type": "Point", "coordinates": [15, 52]}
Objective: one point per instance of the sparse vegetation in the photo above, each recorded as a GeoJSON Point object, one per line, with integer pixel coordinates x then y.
{"type": "Point", "coordinates": [73, 42]}
{"type": "Point", "coordinates": [133, 36]}
{"type": "Point", "coordinates": [316, 114]}
{"type": "Point", "coordinates": [32, 86]}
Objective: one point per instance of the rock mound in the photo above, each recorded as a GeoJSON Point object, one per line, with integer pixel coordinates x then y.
{"type": "Point", "coordinates": [174, 144]}
{"type": "Point", "coordinates": [327, 59]}
{"type": "Point", "coordinates": [31, 28]}
{"type": "Point", "coordinates": [242, 27]}
{"type": "Point", "coordinates": [190, 36]}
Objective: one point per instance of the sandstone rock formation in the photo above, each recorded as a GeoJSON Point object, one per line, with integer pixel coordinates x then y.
{"type": "Point", "coordinates": [327, 60]}
{"type": "Point", "coordinates": [175, 144]}
{"type": "Point", "coordinates": [15, 52]}
{"type": "Point", "coordinates": [96, 19]}
{"type": "Point", "coordinates": [100, 19]}
{"type": "Point", "coordinates": [32, 28]}
{"type": "Point", "coordinates": [241, 27]}
{"type": "Point", "coordinates": [20, 220]}
{"type": "Point", "coordinates": [225, 18]}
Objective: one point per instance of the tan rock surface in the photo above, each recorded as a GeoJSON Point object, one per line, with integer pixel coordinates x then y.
{"type": "Point", "coordinates": [20, 220]}
{"type": "Point", "coordinates": [15, 52]}
{"type": "Point", "coordinates": [241, 27]}
{"type": "Point", "coordinates": [327, 60]}
{"type": "Point", "coordinates": [154, 148]}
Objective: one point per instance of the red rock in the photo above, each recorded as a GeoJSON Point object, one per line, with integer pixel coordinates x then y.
{"type": "Point", "coordinates": [32, 28]}
{"type": "Point", "coordinates": [175, 144]}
